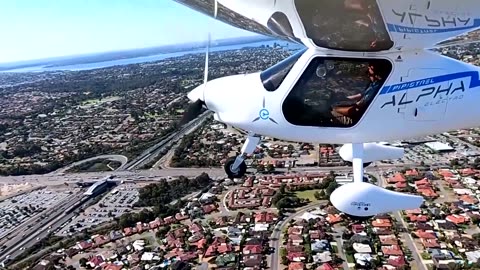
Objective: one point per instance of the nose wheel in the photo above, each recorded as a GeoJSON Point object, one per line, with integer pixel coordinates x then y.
{"type": "Point", "coordinates": [235, 167]}
{"type": "Point", "coordinates": [233, 172]}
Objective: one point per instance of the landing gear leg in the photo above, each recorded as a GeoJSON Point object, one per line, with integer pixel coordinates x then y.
{"type": "Point", "coordinates": [357, 162]}
{"type": "Point", "coordinates": [235, 167]}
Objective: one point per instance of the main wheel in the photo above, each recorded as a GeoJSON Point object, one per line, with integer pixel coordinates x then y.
{"type": "Point", "coordinates": [239, 173]}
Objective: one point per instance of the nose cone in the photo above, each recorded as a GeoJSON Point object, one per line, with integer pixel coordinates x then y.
{"type": "Point", "coordinates": [231, 98]}
{"type": "Point", "coordinates": [197, 93]}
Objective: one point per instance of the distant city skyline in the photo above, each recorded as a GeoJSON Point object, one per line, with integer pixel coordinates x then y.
{"type": "Point", "coordinates": [40, 29]}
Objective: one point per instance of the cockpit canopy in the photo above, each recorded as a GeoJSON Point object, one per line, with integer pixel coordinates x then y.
{"type": "Point", "coordinates": [335, 92]}
{"type": "Point", "coordinates": [331, 92]}
{"type": "Point", "coordinates": [273, 77]}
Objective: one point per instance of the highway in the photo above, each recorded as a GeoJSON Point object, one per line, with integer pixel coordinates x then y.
{"type": "Point", "coordinates": [153, 152]}
{"type": "Point", "coordinates": [156, 174]}
{"type": "Point", "coordinates": [39, 229]}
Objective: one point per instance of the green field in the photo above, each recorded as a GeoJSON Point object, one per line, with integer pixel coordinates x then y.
{"type": "Point", "coordinates": [307, 194]}
{"type": "Point", "coordinates": [92, 102]}
{"type": "Point", "coordinates": [98, 165]}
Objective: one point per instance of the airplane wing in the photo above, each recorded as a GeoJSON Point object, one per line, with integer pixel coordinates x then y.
{"type": "Point", "coordinates": [353, 25]}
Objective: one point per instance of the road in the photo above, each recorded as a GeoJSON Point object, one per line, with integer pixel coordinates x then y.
{"type": "Point", "coordinates": [337, 235]}
{"type": "Point", "coordinates": [156, 174]}
{"type": "Point", "coordinates": [276, 237]}
{"type": "Point", "coordinates": [405, 235]}
{"type": "Point", "coordinates": [223, 207]}
{"type": "Point", "coordinates": [40, 229]}
{"type": "Point", "coordinates": [163, 162]}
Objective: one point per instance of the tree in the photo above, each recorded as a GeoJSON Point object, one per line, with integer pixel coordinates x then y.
{"type": "Point", "coordinates": [284, 260]}
{"type": "Point", "coordinates": [283, 252]}
{"type": "Point", "coordinates": [83, 262]}
{"type": "Point", "coordinates": [454, 162]}
{"type": "Point", "coordinates": [348, 246]}
{"type": "Point", "coordinates": [162, 231]}
{"type": "Point", "coordinates": [260, 168]}
{"type": "Point", "coordinates": [319, 195]}
{"type": "Point", "coordinates": [331, 187]}
{"type": "Point", "coordinates": [270, 168]}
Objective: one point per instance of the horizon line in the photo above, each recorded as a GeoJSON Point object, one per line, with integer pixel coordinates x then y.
{"type": "Point", "coordinates": [3, 64]}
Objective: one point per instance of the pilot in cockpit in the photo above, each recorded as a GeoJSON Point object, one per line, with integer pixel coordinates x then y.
{"type": "Point", "coordinates": [349, 114]}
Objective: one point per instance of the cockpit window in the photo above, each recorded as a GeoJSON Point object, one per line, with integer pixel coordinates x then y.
{"type": "Point", "coordinates": [273, 77]}
{"type": "Point", "coordinates": [334, 92]}
{"type": "Point", "coordinates": [353, 25]}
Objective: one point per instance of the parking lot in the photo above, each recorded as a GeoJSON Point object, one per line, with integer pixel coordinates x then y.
{"type": "Point", "coordinates": [114, 204]}
{"type": "Point", "coordinates": [416, 153]}
{"type": "Point", "coordinates": [17, 210]}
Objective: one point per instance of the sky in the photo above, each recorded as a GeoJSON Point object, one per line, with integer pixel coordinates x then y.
{"type": "Point", "coordinates": [36, 29]}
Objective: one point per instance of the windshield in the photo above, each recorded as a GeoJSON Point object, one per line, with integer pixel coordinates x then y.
{"type": "Point", "coordinates": [273, 77]}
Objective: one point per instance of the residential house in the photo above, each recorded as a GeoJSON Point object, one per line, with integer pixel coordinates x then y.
{"type": "Point", "coordinates": [393, 250]}
{"type": "Point", "coordinates": [296, 266]}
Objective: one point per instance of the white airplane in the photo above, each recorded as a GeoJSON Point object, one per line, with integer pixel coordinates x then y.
{"type": "Point", "coordinates": [367, 75]}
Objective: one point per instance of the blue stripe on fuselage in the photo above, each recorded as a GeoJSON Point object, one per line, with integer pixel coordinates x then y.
{"type": "Point", "coordinates": [474, 82]}
{"type": "Point", "coordinates": [416, 30]}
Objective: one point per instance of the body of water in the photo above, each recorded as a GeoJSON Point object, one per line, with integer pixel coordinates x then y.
{"type": "Point", "coordinates": [151, 58]}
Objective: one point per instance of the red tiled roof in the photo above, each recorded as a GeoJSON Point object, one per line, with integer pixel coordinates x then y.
{"type": "Point", "coordinates": [293, 230]}
{"type": "Point", "coordinates": [383, 223]}
{"type": "Point", "coordinates": [224, 248]}
{"type": "Point", "coordinates": [332, 219]}
{"type": "Point", "coordinates": [96, 260]}
{"type": "Point", "coordinates": [427, 192]}
{"type": "Point", "coordinates": [292, 255]}
{"type": "Point", "coordinates": [393, 250]}
{"type": "Point", "coordinates": [252, 249]}
{"type": "Point", "coordinates": [430, 243]}
{"type": "Point", "coordinates": [388, 240]}
{"type": "Point", "coordinates": [112, 267]}
{"type": "Point", "coordinates": [417, 218]}
{"type": "Point", "coordinates": [397, 261]}
{"type": "Point", "coordinates": [325, 266]}
{"type": "Point", "coordinates": [457, 219]}
{"type": "Point", "coordinates": [398, 177]}
{"type": "Point", "coordinates": [401, 185]}
{"type": "Point", "coordinates": [425, 235]}
{"type": "Point", "coordinates": [296, 266]}
{"type": "Point", "coordinates": [468, 199]}
{"type": "Point", "coordinates": [424, 181]}
{"type": "Point", "coordinates": [445, 173]}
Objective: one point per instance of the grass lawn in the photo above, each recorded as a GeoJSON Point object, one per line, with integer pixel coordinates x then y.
{"type": "Point", "coordinates": [350, 258]}
{"type": "Point", "coordinates": [307, 194]}
{"type": "Point", "coordinates": [334, 249]}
